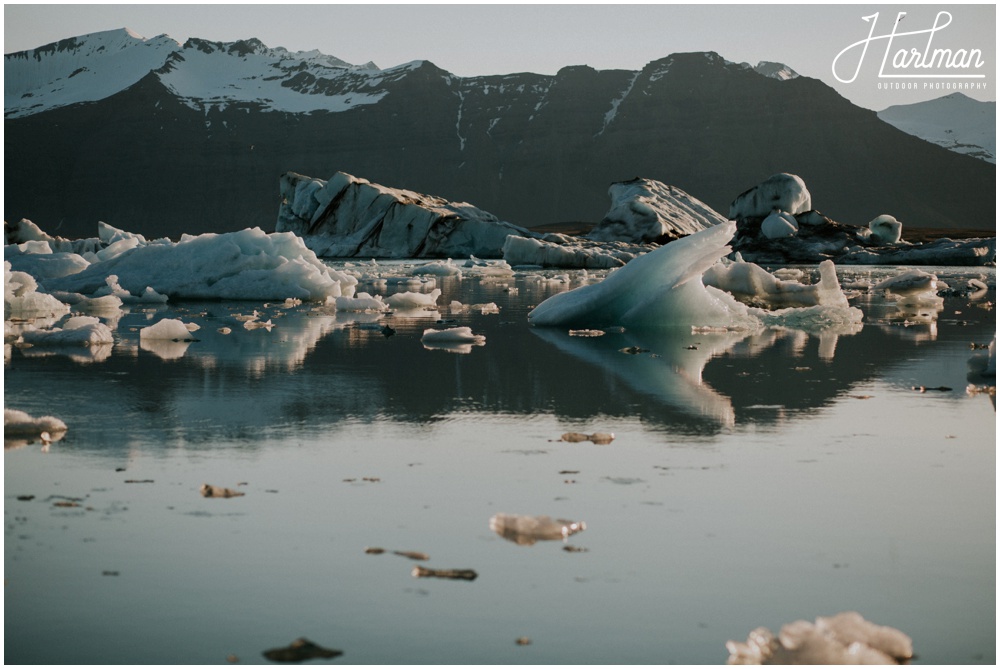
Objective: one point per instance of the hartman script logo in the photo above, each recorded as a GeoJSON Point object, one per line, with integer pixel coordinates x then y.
{"type": "Point", "coordinates": [912, 54]}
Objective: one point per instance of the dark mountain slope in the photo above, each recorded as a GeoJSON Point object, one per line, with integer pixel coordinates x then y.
{"type": "Point", "coordinates": [531, 149]}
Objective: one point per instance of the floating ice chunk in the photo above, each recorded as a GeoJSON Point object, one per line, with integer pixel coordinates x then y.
{"type": "Point", "coordinates": [753, 284]}
{"type": "Point", "coordinates": [168, 329]}
{"type": "Point", "coordinates": [665, 289]}
{"type": "Point", "coordinates": [784, 192]}
{"type": "Point", "coordinates": [526, 530]}
{"type": "Point", "coordinates": [453, 335]}
{"type": "Point", "coordinates": [846, 638]}
{"type": "Point", "coordinates": [21, 298]}
{"type": "Point", "coordinates": [17, 423]}
{"type": "Point", "coordinates": [576, 253]}
{"type": "Point", "coordinates": [300, 650]}
{"type": "Point", "coordinates": [247, 264]}
{"type": "Point", "coordinates": [362, 302]}
{"type": "Point", "coordinates": [208, 490]}
{"type": "Point", "coordinates": [103, 305]}
{"type": "Point", "coordinates": [412, 300]}
{"type": "Point", "coordinates": [645, 210]}
{"type": "Point", "coordinates": [886, 229]}
{"type": "Point", "coordinates": [659, 289]}
{"type": "Point", "coordinates": [779, 225]}
{"type": "Point", "coordinates": [76, 331]}
{"type": "Point", "coordinates": [910, 282]}
{"type": "Point", "coordinates": [438, 268]}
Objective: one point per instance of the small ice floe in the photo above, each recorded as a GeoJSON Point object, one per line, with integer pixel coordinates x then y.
{"type": "Point", "coordinates": [300, 650]}
{"type": "Point", "coordinates": [452, 574]}
{"type": "Point", "coordinates": [258, 325]}
{"type": "Point", "coordinates": [445, 338]}
{"type": "Point", "coordinates": [438, 268]}
{"type": "Point", "coordinates": [845, 638]}
{"type": "Point", "coordinates": [912, 287]}
{"type": "Point", "coordinates": [18, 426]}
{"type": "Point", "coordinates": [600, 438]}
{"type": "Point", "coordinates": [168, 329]}
{"type": "Point", "coordinates": [207, 490]}
{"type": "Point", "coordinates": [21, 298]}
{"type": "Point", "coordinates": [362, 302]}
{"type": "Point", "coordinates": [75, 331]}
{"type": "Point", "coordinates": [409, 300]}
{"type": "Point", "coordinates": [526, 530]}
{"type": "Point", "coordinates": [885, 229]}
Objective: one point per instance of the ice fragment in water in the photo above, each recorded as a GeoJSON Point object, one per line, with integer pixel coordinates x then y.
{"type": "Point", "coordinates": [600, 438]}
{"type": "Point", "coordinates": [455, 335]}
{"type": "Point", "coordinates": [526, 530]}
{"type": "Point", "coordinates": [453, 574]}
{"type": "Point", "coordinates": [299, 650]}
{"type": "Point", "coordinates": [845, 638]}
{"type": "Point", "coordinates": [169, 329]}
{"type": "Point", "coordinates": [217, 491]}
{"type": "Point", "coordinates": [19, 424]}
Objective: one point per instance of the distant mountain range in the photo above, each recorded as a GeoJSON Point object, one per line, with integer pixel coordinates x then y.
{"type": "Point", "coordinates": [956, 122]}
{"type": "Point", "coordinates": [163, 138]}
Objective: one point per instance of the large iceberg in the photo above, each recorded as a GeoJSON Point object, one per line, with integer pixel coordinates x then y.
{"type": "Point", "coordinates": [665, 288]}
{"type": "Point", "coordinates": [645, 210]}
{"type": "Point", "coordinates": [249, 264]}
{"type": "Point", "coordinates": [776, 224]}
{"type": "Point", "coordinates": [348, 217]}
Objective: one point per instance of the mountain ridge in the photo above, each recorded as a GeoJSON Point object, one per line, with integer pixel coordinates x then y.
{"type": "Point", "coordinates": [180, 153]}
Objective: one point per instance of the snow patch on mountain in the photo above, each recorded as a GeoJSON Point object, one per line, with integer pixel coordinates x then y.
{"type": "Point", "coordinates": [79, 69]}
{"type": "Point", "coordinates": [204, 74]}
{"type": "Point", "coordinates": [778, 71]}
{"type": "Point", "coordinates": [201, 73]}
{"type": "Point", "coordinates": [956, 122]}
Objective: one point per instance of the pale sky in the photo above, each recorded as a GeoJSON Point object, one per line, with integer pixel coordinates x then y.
{"type": "Point", "coordinates": [471, 40]}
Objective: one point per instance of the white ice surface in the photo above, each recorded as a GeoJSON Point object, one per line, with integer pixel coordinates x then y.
{"type": "Point", "coordinates": [665, 289]}
{"type": "Point", "coordinates": [248, 264]}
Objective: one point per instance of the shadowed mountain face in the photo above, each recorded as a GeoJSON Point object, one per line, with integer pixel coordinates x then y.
{"type": "Point", "coordinates": [530, 149]}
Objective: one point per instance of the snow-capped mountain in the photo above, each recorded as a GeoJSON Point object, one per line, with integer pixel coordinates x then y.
{"type": "Point", "coordinates": [200, 73]}
{"type": "Point", "coordinates": [163, 138]}
{"type": "Point", "coordinates": [956, 122]}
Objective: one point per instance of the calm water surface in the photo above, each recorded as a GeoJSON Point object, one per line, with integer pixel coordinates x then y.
{"type": "Point", "coordinates": [752, 481]}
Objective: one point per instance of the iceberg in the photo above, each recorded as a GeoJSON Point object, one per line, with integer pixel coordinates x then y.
{"type": "Point", "coordinates": [21, 298]}
{"type": "Point", "coordinates": [75, 331]}
{"type": "Point", "coordinates": [645, 210]}
{"type": "Point", "coordinates": [665, 288]}
{"type": "Point", "coordinates": [776, 225]}
{"type": "Point", "coordinates": [781, 192]}
{"type": "Point", "coordinates": [245, 265]}
{"type": "Point", "coordinates": [348, 217]}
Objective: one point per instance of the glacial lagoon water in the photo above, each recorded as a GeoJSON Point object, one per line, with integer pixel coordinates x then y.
{"type": "Point", "coordinates": [753, 480]}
